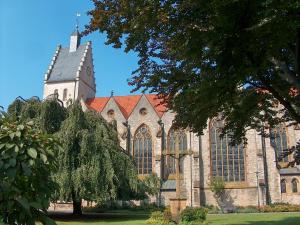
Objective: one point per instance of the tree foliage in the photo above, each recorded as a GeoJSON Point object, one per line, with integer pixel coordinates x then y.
{"type": "Point", "coordinates": [26, 160]}
{"type": "Point", "coordinates": [235, 57]}
{"type": "Point", "coordinates": [90, 162]}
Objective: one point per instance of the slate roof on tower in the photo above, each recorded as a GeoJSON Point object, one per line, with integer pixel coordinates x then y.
{"type": "Point", "coordinates": [66, 64]}
{"type": "Point", "coordinates": [127, 103]}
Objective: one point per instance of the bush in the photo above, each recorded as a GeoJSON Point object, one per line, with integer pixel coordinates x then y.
{"type": "Point", "coordinates": [192, 215]}
{"type": "Point", "coordinates": [160, 218]}
{"type": "Point", "coordinates": [247, 209]}
{"type": "Point", "coordinates": [280, 207]}
{"type": "Point", "coordinates": [211, 209]}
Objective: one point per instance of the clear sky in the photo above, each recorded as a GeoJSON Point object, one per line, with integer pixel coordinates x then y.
{"type": "Point", "coordinates": [30, 31]}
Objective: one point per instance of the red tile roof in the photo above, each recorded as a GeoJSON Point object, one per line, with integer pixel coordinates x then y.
{"type": "Point", "coordinates": [97, 104]}
{"type": "Point", "coordinates": [127, 103]}
{"type": "Point", "coordinates": [157, 104]}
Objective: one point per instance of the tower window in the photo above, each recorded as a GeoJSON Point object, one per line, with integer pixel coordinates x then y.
{"type": "Point", "coordinates": [56, 93]}
{"type": "Point", "coordinates": [65, 94]}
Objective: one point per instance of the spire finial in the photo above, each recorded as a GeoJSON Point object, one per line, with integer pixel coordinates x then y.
{"type": "Point", "coordinates": [77, 20]}
{"type": "Point", "coordinates": [112, 93]}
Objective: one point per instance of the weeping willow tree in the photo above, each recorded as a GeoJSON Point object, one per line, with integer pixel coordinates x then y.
{"type": "Point", "coordinates": [91, 165]}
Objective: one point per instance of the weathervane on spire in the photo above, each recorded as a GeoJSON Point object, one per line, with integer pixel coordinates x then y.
{"type": "Point", "coordinates": [77, 20]}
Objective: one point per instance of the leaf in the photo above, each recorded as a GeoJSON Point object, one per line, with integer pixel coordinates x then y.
{"type": "Point", "coordinates": [12, 135]}
{"type": "Point", "coordinates": [43, 157]}
{"type": "Point", "coordinates": [17, 148]}
{"type": "Point", "coordinates": [32, 153]}
{"type": "Point", "coordinates": [18, 134]}
{"type": "Point", "coordinates": [11, 172]}
{"type": "Point", "coordinates": [13, 162]}
{"type": "Point", "coordinates": [23, 202]}
{"type": "Point", "coordinates": [36, 205]}
{"type": "Point", "coordinates": [21, 127]}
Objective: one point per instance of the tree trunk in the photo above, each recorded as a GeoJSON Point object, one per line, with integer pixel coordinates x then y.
{"type": "Point", "coordinates": [76, 204]}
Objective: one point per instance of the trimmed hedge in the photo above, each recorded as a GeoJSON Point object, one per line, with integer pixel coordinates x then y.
{"type": "Point", "coordinates": [280, 207]}
{"type": "Point", "coordinates": [193, 215]}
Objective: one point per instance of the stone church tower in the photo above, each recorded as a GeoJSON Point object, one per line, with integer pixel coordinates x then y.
{"type": "Point", "coordinates": [71, 72]}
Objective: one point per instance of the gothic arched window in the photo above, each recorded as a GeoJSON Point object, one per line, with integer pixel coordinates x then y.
{"type": "Point", "coordinates": [283, 186]}
{"type": "Point", "coordinates": [227, 161]}
{"type": "Point", "coordinates": [294, 185]}
{"type": "Point", "coordinates": [142, 149]}
{"type": "Point", "coordinates": [174, 135]}
{"type": "Point", "coordinates": [65, 94]}
{"type": "Point", "coordinates": [278, 139]}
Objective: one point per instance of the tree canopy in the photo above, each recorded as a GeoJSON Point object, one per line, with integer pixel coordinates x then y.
{"type": "Point", "coordinates": [91, 163]}
{"type": "Point", "coordinates": [239, 58]}
{"type": "Point", "coordinates": [26, 162]}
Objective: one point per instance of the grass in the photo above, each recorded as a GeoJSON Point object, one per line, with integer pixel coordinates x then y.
{"type": "Point", "coordinates": [122, 217]}
{"type": "Point", "coordinates": [255, 219]}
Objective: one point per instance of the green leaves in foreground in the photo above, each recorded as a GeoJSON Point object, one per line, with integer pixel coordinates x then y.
{"type": "Point", "coordinates": [26, 159]}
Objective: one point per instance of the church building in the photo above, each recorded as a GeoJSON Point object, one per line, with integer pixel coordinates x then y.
{"type": "Point", "coordinates": [251, 173]}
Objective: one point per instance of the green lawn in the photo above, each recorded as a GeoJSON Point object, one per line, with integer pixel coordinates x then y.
{"type": "Point", "coordinates": [138, 218]}
{"type": "Point", "coordinates": [255, 219]}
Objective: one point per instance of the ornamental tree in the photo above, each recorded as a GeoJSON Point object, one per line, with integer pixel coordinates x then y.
{"type": "Point", "coordinates": [26, 163]}
{"type": "Point", "coordinates": [235, 57]}
{"type": "Point", "coordinates": [90, 161]}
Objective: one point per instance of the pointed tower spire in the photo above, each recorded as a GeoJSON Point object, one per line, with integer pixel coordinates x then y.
{"type": "Point", "coordinates": [75, 37]}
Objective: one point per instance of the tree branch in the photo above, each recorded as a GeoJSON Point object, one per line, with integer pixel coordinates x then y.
{"type": "Point", "coordinates": [285, 73]}
{"type": "Point", "coordinates": [282, 100]}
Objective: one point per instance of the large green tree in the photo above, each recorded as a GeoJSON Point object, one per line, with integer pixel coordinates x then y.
{"type": "Point", "coordinates": [91, 164]}
{"type": "Point", "coordinates": [90, 160]}
{"type": "Point", "coordinates": [26, 162]}
{"type": "Point", "coordinates": [235, 57]}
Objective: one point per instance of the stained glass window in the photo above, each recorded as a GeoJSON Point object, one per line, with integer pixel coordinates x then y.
{"type": "Point", "coordinates": [278, 139]}
{"type": "Point", "coordinates": [283, 186]}
{"type": "Point", "coordinates": [294, 186]}
{"type": "Point", "coordinates": [142, 150]}
{"type": "Point", "coordinates": [227, 161]}
{"type": "Point", "coordinates": [171, 146]}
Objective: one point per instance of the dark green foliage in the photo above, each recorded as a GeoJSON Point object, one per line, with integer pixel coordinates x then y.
{"type": "Point", "coordinates": [26, 160]}
{"type": "Point", "coordinates": [236, 58]}
{"type": "Point", "coordinates": [91, 163]}
{"type": "Point", "coordinates": [51, 116]}
{"type": "Point", "coordinates": [91, 166]}
{"type": "Point", "coordinates": [160, 218]}
{"type": "Point", "coordinates": [193, 215]}
{"type": "Point", "coordinates": [15, 109]}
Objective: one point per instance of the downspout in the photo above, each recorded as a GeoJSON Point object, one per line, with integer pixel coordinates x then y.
{"type": "Point", "coordinates": [162, 158]}
{"type": "Point", "coordinates": [266, 174]}
{"type": "Point", "coordinates": [191, 168]}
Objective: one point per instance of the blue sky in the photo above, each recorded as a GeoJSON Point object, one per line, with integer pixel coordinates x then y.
{"type": "Point", "coordinates": [30, 31]}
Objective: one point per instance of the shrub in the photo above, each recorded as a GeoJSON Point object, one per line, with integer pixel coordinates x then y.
{"type": "Point", "coordinates": [159, 218]}
{"type": "Point", "coordinates": [247, 209]}
{"type": "Point", "coordinates": [211, 209]}
{"type": "Point", "coordinates": [192, 215]}
{"type": "Point", "coordinates": [280, 207]}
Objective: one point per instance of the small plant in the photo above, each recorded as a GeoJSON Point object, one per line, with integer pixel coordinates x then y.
{"type": "Point", "coordinates": [159, 218]}
{"type": "Point", "coordinates": [193, 216]}
{"type": "Point", "coordinates": [217, 186]}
